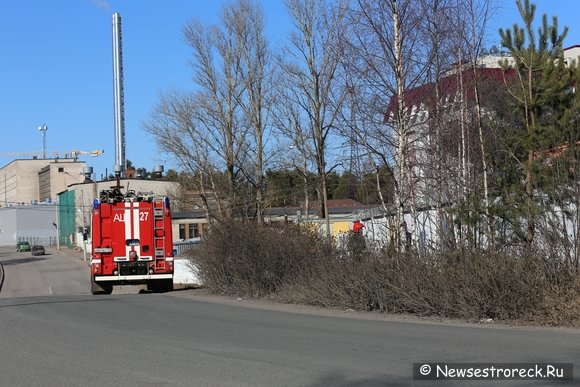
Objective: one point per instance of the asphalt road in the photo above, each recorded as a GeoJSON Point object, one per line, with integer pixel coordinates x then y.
{"type": "Point", "coordinates": [52, 274]}
{"type": "Point", "coordinates": [58, 272]}
{"type": "Point", "coordinates": [70, 338]}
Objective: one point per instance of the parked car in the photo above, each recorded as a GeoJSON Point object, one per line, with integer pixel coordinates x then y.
{"type": "Point", "coordinates": [22, 246]}
{"type": "Point", "coordinates": [37, 250]}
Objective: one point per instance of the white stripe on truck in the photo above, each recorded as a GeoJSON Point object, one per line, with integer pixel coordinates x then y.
{"type": "Point", "coordinates": [136, 228]}
{"type": "Point", "coordinates": [99, 278]}
{"type": "Point", "coordinates": [127, 218]}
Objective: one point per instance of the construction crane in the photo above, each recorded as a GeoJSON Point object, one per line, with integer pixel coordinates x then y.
{"type": "Point", "coordinates": [73, 154]}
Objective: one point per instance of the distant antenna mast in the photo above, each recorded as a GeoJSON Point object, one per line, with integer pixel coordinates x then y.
{"type": "Point", "coordinates": [120, 160]}
{"type": "Point", "coordinates": [43, 128]}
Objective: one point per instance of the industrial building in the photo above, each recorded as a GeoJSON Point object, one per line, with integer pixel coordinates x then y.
{"type": "Point", "coordinates": [37, 180]}
{"type": "Point", "coordinates": [28, 195]}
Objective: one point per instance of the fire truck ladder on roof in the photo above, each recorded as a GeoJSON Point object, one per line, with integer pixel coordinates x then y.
{"type": "Point", "coordinates": [159, 231]}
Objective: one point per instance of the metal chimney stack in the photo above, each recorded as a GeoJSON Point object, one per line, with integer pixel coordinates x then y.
{"type": "Point", "coordinates": [119, 94]}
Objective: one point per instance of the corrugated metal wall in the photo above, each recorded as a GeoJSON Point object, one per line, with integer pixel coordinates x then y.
{"type": "Point", "coordinates": [7, 227]}
{"type": "Point", "coordinates": [31, 223]}
{"type": "Point", "coordinates": [67, 214]}
{"type": "Point", "coordinates": [36, 224]}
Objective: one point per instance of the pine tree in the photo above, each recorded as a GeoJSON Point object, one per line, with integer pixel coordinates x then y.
{"type": "Point", "coordinates": [541, 83]}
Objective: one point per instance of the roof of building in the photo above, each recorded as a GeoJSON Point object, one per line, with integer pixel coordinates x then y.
{"type": "Point", "coordinates": [176, 215]}
{"type": "Point", "coordinates": [335, 207]}
{"type": "Point", "coordinates": [448, 85]}
{"type": "Point", "coordinates": [424, 96]}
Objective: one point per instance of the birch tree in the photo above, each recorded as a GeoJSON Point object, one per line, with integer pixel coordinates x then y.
{"type": "Point", "coordinates": [387, 57]}
{"type": "Point", "coordinates": [478, 14]}
{"type": "Point", "coordinates": [441, 33]}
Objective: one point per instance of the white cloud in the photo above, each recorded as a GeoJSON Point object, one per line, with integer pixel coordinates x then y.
{"type": "Point", "coordinates": [101, 4]}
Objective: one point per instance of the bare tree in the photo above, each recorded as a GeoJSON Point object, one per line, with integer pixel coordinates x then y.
{"type": "Point", "coordinates": [246, 19]}
{"type": "Point", "coordinates": [441, 35]}
{"type": "Point", "coordinates": [172, 125]}
{"type": "Point", "coordinates": [478, 14]}
{"type": "Point", "coordinates": [287, 116]}
{"type": "Point", "coordinates": [387, 57]}
{"type": "Point", "coordinates": [222, 126]}
{"type": "Point", "coordinates": [216, 68]}
{"type": "Point", "coordinates": [311, 65]}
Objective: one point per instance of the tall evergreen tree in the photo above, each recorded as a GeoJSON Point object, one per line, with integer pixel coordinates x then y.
{"type": "Point", "coordinates": [542, 80]}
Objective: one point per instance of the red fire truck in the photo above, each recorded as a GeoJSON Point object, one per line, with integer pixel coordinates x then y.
{"type": "Point", "coordinates": [132, 242]}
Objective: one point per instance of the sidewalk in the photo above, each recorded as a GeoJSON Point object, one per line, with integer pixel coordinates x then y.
{"type": "Point", "coordinates": [73, 253]}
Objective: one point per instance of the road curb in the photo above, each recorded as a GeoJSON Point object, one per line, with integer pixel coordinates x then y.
{"type": "Point", "coordinates": [1, 276]}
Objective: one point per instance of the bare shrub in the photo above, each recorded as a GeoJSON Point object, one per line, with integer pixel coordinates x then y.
{"type": "Point", "coordinates": [247, 259]}
{"type": "Point", "coordinates": [476, 286]}
{"type": "Point", "coordinates": [291, 264]}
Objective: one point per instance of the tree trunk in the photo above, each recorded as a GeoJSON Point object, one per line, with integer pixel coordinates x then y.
{"type": "Point", "coordinates": [401, 127]}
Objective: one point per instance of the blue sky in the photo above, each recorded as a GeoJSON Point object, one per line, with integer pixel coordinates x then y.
{"type": "Point", "coordinates": [56, 68]}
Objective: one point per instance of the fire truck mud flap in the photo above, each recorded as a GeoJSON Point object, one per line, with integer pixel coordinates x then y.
{"type": "Point", "coordinates": [100, 287]}
{"type": "Point", "coordinates": [160, 285]}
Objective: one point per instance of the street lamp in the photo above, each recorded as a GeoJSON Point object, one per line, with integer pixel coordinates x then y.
{"type": "Point", "coordinates": [43, 128]}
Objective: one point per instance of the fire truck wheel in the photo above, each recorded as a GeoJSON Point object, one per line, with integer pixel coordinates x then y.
{"type": "Point", "coordinates": [100, 288]}
{"type": "Point", "coordinates": [160, 286]}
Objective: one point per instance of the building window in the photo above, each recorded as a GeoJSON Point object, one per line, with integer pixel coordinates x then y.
{"type": "Point", "coordinates": [60, 169]}
{"type": "Point", "coordinates": [182, 231]}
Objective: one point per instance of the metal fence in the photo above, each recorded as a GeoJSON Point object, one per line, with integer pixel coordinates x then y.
{"type": "Point", "coordinates": [47, 241]}
{"type": "Point", "coordinates": [180, 247]}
